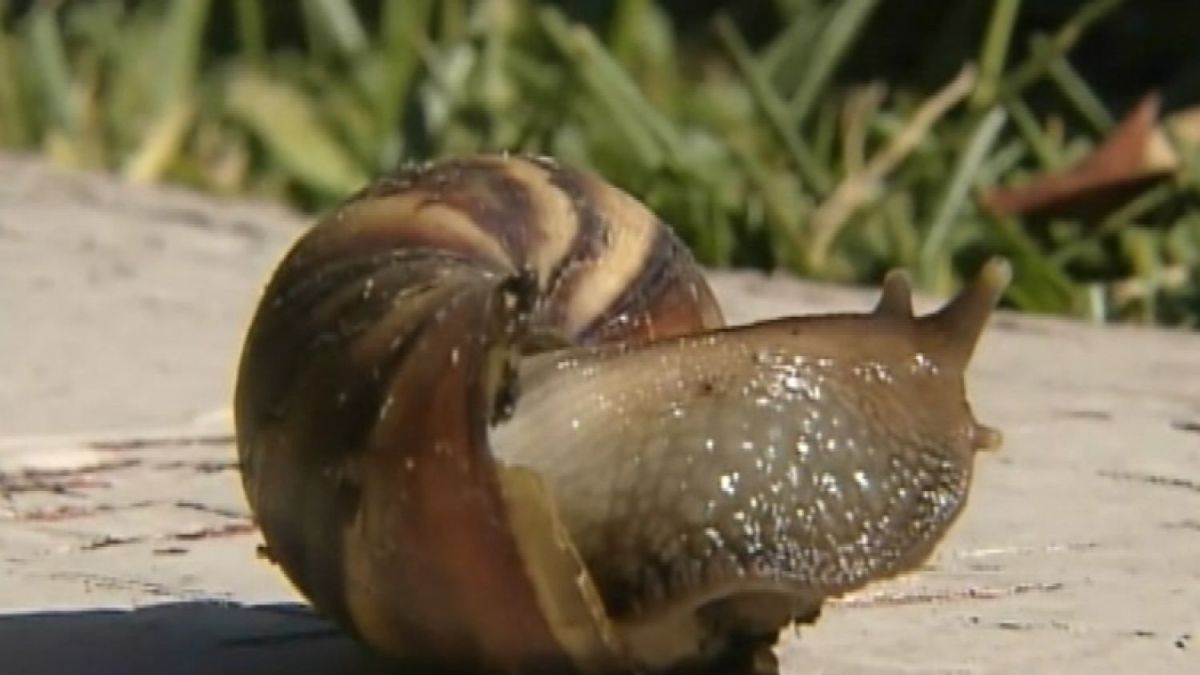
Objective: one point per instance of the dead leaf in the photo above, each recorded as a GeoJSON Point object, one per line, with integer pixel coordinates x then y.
{"type": "Point", "coordinates": [1135, 155]}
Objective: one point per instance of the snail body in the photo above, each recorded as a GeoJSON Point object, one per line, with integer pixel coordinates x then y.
{"type": "Point", "coordinates": [489, 418]}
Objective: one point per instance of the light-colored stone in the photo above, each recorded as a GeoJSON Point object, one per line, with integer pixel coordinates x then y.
{"type": "Point", "coordinates": [121, 311]}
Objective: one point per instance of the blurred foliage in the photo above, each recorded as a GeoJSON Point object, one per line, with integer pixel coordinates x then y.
{"type": "Point", "coordinates": [738, 126]}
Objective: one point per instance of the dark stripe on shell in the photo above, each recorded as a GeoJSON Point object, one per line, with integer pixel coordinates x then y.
{"type": "Point", "coordinates": [482, 189]}
{"type": "Point", "coordinates": [590, 243]}
{"type": "Point", "coordinates": [640, 295]}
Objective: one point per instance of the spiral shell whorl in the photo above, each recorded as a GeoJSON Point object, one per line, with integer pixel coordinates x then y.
{"type": "Point", "coordinates": [606, 268]}
{"type": "Point", "coordinates": [381, 352]}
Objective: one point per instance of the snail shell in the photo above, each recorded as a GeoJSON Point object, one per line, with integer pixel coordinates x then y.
{"type": "Point", "coordinates": [489, 419]}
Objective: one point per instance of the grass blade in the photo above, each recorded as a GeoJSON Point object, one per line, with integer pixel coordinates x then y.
{"type": "Point", "coordinates": [832, 44]}
{"type": "Point", "coordinates": [286, 123]}
{"type": "Point", "coordinates": [1044, 148]}
{"type": "Point", "coordinates": [161, 144]}
{"type": "Point", "coordinates": [1038, 284]}
{"type": "Point", "coordinates": [52, 71]}
{"type": "Point", "coordinates": [995, 51]}
{"type": "Point", "coordinates": [251, 30]}
{"type": "Point", "coordinates": [652, 136]}
{"type": "Point", "coordinates": [955, 195]}
{"type": "Point", "coordinates": [1035, 66]}
{"type": "Point", "coordinates": [333, 26]}
{"type": "Point", "coordinates": [816, 176]}
{"type": "Point", "coordinates": [15, 125]}
{"type": "Point", "coordinates": [793, 45]}
{"type": "Point", "coordinates": [1080, 96]}
{"type": "Point", "coordinates": [178, 55]}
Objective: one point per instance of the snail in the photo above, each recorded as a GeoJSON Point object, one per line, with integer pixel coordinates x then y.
{"type": "Point", "coordinates": [489, 419]}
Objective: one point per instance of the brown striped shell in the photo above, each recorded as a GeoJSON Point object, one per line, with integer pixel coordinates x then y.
{"type": "Point", "coordinates": [598, 530]}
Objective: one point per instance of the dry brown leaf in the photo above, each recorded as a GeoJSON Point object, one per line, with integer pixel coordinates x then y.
{"type": "Point", "coordinates": [1135, 155]}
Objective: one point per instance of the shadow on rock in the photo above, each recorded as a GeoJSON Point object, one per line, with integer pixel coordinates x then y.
{"type": "Point", "coordinates": [200, 638]}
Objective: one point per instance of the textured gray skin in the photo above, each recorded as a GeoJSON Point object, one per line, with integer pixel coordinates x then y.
{"type": "Point", "coordinates": [742, 462]}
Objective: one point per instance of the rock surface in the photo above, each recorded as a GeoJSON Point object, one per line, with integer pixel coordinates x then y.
{"type": "Point", "coordinates": [125, 545]}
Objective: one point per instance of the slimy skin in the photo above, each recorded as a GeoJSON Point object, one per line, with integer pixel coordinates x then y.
{"type": "Point", "coordinates": [779, 463]}
{"type": "Point", "coordinates": [490, 420]}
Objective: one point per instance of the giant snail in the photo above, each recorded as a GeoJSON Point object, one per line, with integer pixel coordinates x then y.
{"type": "Point", "coordinates": [489, 419]}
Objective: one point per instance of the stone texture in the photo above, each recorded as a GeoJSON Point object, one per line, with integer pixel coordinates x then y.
{"type": "Point", "coordinates": [125, 544]}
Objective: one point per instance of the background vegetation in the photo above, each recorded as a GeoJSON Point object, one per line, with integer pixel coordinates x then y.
{"type": "Point", "coordinates": [832, 138]}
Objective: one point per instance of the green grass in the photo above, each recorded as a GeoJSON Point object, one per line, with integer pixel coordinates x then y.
{"type": "Point", "coordinates": [753, 149]}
